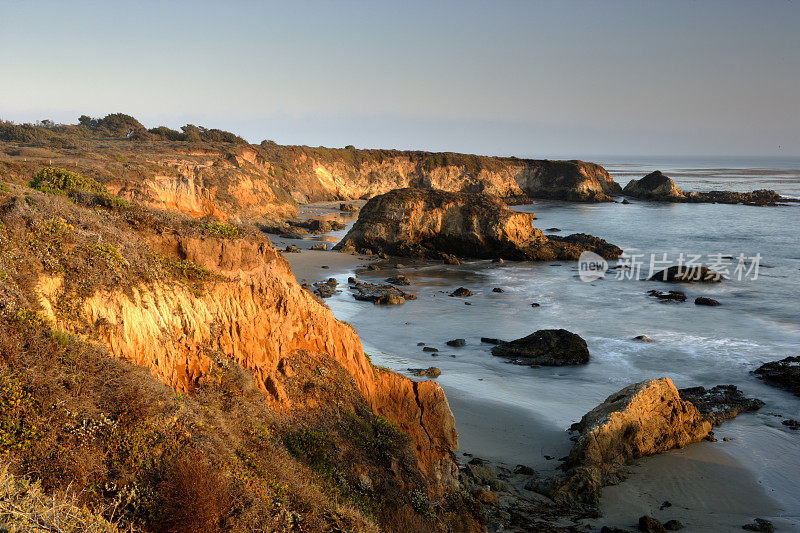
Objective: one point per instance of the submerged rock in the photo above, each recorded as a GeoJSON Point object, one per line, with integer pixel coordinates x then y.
{"type": "Point", "coordinates": [462, 292]}
{"type": "Point", "coordinates": [759, 524]}
{"type": "Point", "coordinates": [702, 300]}
{"type": "Point", "coordinates": [379, 294]}
{"type": "Point", "coordinates": [671, 296]}
{"type": "Point", "coordinates": [640, 420]}
{"type": "Point", "coordinates": [643, 338]}
{"type": "Point", "coordinates": [457, 343]}
{"type": "Point", "coordinates": [551, 347]}
{"type": "Point", "coordinates": [435, 224]}
{"type": "Point", "coordinates": [784, 373]}
{"type": "Point", "coordinates": [490, 340]}
{"type": "Point", "coordinates": [720, 403]}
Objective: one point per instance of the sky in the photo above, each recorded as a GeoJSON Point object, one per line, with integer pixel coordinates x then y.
{"type": "Point", "coordinates": [521, 78]}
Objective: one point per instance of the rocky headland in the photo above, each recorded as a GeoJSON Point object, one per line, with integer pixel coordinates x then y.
{"type": "Point", "coordinates": [434, 224]}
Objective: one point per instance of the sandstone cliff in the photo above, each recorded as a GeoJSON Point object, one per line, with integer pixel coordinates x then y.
{"type": "Point", "coordinates": [171, 295]}
{"type": "Point", "coordinates": [239, 181]}
{"type": "Point", "coordinates": [432, 223]}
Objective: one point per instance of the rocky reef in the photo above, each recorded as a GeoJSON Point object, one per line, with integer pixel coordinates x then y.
{"type": "Point", "coordinates": [549, 347]}
{"type": "Point", "coordinates": [434, 224]}
{"type": "Point", "coordinates": [659, 187]}
{"type": "Point", "coordinates": [784, 374]}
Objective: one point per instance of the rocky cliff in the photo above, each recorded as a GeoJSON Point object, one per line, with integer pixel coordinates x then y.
{"type": "Point", "coordinates": [181, 297]}
{"type": "Point", "coordinates": [239, 181]}
{"type": "Point", "coordinates": [430, 223]}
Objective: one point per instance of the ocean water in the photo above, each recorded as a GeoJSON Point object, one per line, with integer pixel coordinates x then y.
{"type": "Point", "coordinates": [758, 321]}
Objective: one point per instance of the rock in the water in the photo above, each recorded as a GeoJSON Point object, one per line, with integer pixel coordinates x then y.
{"type": "Point", "coordinates": [319, 246]}
{"type": "Point", "coordinates": [430, 349]}
{"type": "Point", "coordinates": [379, 294]}
{"type": "Point", "coordinates": [654, 186]}
{"type": "Point", "coordinates": [671, 296]}
{"type": "Point", "coordinates": [720, 403]}
{"type": "Point", "coordinates": [292, 249]}
{"type": "Point", "coordinates": [524, 470]}
{"type": "Point", "coordinates": [497, 289]}
{"type": "Point", "coordinates": [326, 289]}
{"type": "Point", "coordinates": [490, 340]}
{"type": "Point", "coordinates": [348, 208]}
{"type": "Point", "coordinates": [462, 292]}
{"type": "Point", "coordinates": [648, 524]}
{"type": "Point", "coordinates": [696, 274]}
{"type": "Point", "coordinates": [702, 300]}
{"type": "Point", "coordinates": [643, 338]}
{"type": "Point", "coordinates": [435, 224]}
{"type": "Point", "coordinates": [626, 202]}
{"type": "Point", "coordinates": [673, 525]}
{"type": "Point", "coordinates": [784, 373]}
{"type": "Point", "coordinates": [553, 230]}
{"type": "Point", "coordinates": [457, 342]}
{"type": "Point", "coordinates": [792, 424]}
{"type": "Point", "coordinates": [551, 347]}
{"type": "Point", "coordinates": [640, 420]}
{"type": "Point", "coordinates": [759, 524]}
{"type": "Point", "coordinates": [431, 372]}
{"type": "Point", "coordinates": [398, 280]}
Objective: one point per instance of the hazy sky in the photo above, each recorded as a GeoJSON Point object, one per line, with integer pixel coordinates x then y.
{"type": "Point", "coordinates": [524, 78]}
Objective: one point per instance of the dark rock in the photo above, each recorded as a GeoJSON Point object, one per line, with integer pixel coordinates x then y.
{"type": "Point", "coordinates": [498, 260]}
{"type": "Point", "coordinates": [524, 470]}
{"type": "Point", "coordinates": [326, 289]}
{"type": "Point", "coordinates": [348, 208]}
{"type": "Point", "coordinates": [554, 230]}
{"type": "Point", "coordinates": [720, 403]}
{"type": "Point", "coordinates": [552, 347]}
{"type": "Point", "coordinates": [450, 259]}
{"type": "Point", "coordinates": [654, 186]}
{"type": "Point", "coordinates": [759, 524]}
{"type": "Point", "coordinates": [536, 305]}
{"type": "Point", "coordinates": [292, 249]}
{"type": "Point", "coordinates": [673, 525]}
{"type": "Point", "coordinates": [697, 274]}
{"type": "Point", "coordinates": [420, 344]}
{"type": "Point", "coordinates": [291, 235]}
{"type": "Point", "coordinates": [671, 296]}
{"type": "Point", "coordinates": [784, 373]}
{"type": "Point", "coordinates": [430, 349]}
{"type": "Point", "coordinates": [431, 372]}
{"type": "Point", "coordinates": [490, 340]}
{"type": "Point", "coordinates": [398, 280]}
{"type": "Point", "coordinates": [791, 424]}
{"type": "Point", "coordinates": [462, 292]}
{"type": "Point", "coordinates": [702, 300]}
{"type": "Point", "coordinates": [649, 524]}
{"type": "Point", "coordinates": [643, 338]}
{"type": "Point", "coordinates": [379, 294]}
{"type": "Point", "coordinates": [498, 289]}
{"type": "Point", "coordinates": [625, 202]}
{"type": "Point", "coordinates": [457, 342]}
{"type": "Point", "coordinates": [666, 503]}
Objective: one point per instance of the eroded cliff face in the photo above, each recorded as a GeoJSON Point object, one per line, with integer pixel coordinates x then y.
{"type": "Point", "coordinates": [255, 182]}
{"type": "Point", "coordinates": [93, 276]}
{"type": "Point", "coordinates": [434, 224]}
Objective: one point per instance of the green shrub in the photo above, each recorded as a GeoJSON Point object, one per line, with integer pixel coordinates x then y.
{"type": "Point", "coordinates": [312, 447]}
{"type": "Point", "coordinates": [222, 230]}
{"type": "Point", "coordinates": [59, 181]}
{"type": "Point", "coordinates": [17, 408]}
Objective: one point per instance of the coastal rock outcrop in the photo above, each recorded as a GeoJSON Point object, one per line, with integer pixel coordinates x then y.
{"type": "Point", "coordinates": [658, 187]}
{"type": "Point", "coordinates": [575, 181]}
{"type": "Point", "coordinates": [688, 274]}
{"type": "Point", "coordinates": [784, 374]}
{"type": "Point", "coordinates": [640, 420]}
{"type": "Point", "coordinates": [428, 223]}
{"type": "Point", "coordinates": [720, 403]}
{"type": "Point", "coordinates": [549, 347]}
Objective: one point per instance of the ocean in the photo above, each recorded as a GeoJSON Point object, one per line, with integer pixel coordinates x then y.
{"type": "Point", "coordinates": [518, 414]}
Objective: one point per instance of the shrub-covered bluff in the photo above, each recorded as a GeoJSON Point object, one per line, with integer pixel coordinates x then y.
{"type": "Point", "coordinates": [170, 374]}
{"type": "Point", "coordinates": [211, 172]}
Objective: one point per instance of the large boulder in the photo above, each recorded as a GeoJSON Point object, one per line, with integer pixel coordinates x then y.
{"type": "Point", "coordinates": [434, 224]}
{"type": "Point", "coordinates": [574, 181]}
{"type": "Point", "coordinates": [643, 419]}
{"type": "Point", "coordinates": [688, 274]}
{"type": "Point", "coordinates": [550, 347]}
{"type": "Point", "coordinates": [654, 186]}
{"type": "Point", "coordinates": [784, 373]}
